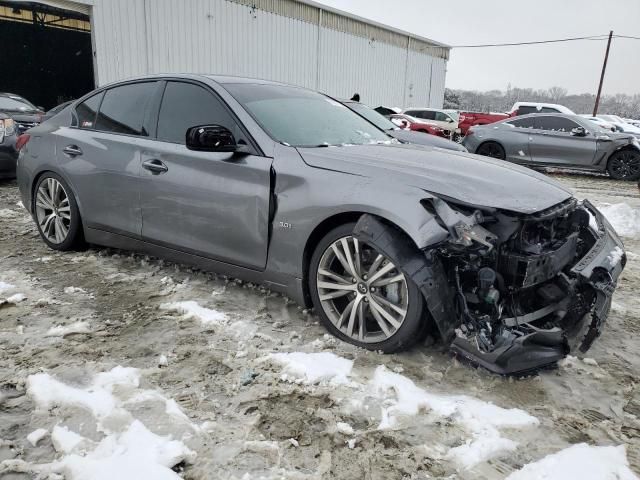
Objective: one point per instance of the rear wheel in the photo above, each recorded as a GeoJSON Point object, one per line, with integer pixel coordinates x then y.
{"type": "Point", "coordinates": [361, 296]}
{"type": "Point", "coordinates": [56, 212]}
{"type": "Point", "coordinates": [491, 149]}
{"type": "Point", "coordinates": [624, 165]}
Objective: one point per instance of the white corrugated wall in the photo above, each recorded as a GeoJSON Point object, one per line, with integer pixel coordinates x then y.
{"type": "Point", "coordinates": [134, 37]}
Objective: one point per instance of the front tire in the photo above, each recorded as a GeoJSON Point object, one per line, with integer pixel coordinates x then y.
{"type": "Point", "coordinates": [492, 149]}
{"type": "Point", "coordinates": [361, 297]}
{"type": "Point", "coordinates": [624, 165]}
{"type": "Point", "coordinates": [56, 213]}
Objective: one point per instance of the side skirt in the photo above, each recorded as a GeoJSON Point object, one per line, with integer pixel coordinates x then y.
{"type": "Point", "coordinates": [278, 282]}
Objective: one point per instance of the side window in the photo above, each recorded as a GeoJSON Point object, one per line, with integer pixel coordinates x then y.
{"type": "Point", "coordinates": [555, 124]}
{"type": "Point", "coordinates": [441, 117]}
{"type": "Point", "coordinates": [124, 107]}
{"type": "Point", "coordinates": [185, 105]}
{"type": "Point", "coordinates": [524, 110]}
{"type": "Point", "coordinates": [85, 116]}
{"type": "Point", "coordinates": [548, 110]}
{"type": "Point", "coordinates": [427, 114]}
{"type": "Point", "coordinates": [522, 122]}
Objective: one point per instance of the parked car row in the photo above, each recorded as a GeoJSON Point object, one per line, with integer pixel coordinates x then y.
{"type": "Point", "coordinates": [289, 187]}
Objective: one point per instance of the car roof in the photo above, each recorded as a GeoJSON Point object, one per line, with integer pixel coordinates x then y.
{"type": "Point", "coordinates": [221, 79]}
{"type": "Point", "coordinates": [557, 106]}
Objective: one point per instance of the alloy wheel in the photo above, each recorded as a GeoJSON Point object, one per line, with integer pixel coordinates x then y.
{"type": "Point", "coordinates": [362, 292]}
{"type": "Point", "coordinates": [53, 210]}
{"type": "Point", "coordinates": [625, 164]}
{"type": "Point", "coordinates": [492, 150]}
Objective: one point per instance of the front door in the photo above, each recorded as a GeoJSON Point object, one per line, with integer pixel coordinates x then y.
{"type": "Point", "coordinates": [553, 143]}
{"type": "Point", "coordinates": [210, 204]}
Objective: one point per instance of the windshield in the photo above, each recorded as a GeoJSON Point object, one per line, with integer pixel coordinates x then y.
{"type": "Point", "coordinates": [16, 104]}
{"type": "Point", "coordinates": [374, 117]}
{"type": "Point", "coordinates": [302, 118]}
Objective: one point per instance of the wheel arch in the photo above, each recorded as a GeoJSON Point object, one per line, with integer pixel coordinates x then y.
{"type": "Point", "coordinates": [40, 174]}
{"type": "Point", "coordinates": [490, 140]}
{"type": "Point", "coordinates": [324, 227]}
{"type": "Point", "coordinates": [629, 148]}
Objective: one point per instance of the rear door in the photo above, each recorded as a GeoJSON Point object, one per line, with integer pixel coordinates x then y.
{"type": "Point", "coordinates": [515, 137]}
{"type": "Point", "coordinates": [206, 203]}
{"type": "Point", "coordinates": [553, 143]}
{"type": "Point", "coordinates": [100, 156]}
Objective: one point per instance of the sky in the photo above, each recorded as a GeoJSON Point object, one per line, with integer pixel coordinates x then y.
{"type": "Point", "coordinates": [575, 66]}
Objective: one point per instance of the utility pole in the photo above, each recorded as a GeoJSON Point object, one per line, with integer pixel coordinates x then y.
{"type": "Point", "coordinates": [604, 67]}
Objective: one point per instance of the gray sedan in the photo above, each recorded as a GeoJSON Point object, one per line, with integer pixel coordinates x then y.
{"type": "Point", "coordinates": [405, 136]}
{"type": "Point", "coordinates": [558, 140]}
{"type": "Point", "coordinates": [285, 186]}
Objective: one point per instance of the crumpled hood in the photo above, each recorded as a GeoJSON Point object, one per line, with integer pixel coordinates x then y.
{"type": "Point", "coordinates": [469, 178]}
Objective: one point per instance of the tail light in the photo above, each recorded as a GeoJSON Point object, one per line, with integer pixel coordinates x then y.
{"type": "Point", "coordinates": [22, 141]}
{"type": "Point", "coordinates": [7, 128]}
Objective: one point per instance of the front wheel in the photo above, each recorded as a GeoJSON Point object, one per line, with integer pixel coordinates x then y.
{"type": "Point", "coordinates": [361, 296]}
{"type": "Point", "coordinates": [491, 149]}
{"type": "Point", "coordinates": [624, 165]}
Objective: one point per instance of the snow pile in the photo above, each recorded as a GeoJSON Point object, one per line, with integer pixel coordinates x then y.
{"type": "Point", "coordinates": [34, 437]}
{"type": "Point", "coordinates": [62, 330]}
{"type": "Point", "coordinates": [96, 398]}
{"type": "Point", "coordinates": [16, 298]}
{"type": "Point", "coordinates": [624, 218]}
{"type": "Point", "coordinates": [128, 450]}
{"type": "Point", "coordinates": [579, 461]}
{"type": "Point", "coordinates": [134, 454]}
{"type": "Point", "coordinates": [5, 286]}
{"type": "Point", "coordinates": [191, 309]}
{"type": "Point", "coordinates": [615, 256]}
{"type": "Point", "coordinates": [313, 368]}
{"type": "Point", "coordinates": [482, 419]}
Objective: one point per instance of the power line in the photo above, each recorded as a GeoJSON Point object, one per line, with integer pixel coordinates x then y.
{"type": "Point", "coordinates": [539, 42]}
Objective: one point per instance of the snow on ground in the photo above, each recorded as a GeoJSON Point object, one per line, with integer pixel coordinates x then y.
{"type": "Point", "coordinates": [5, 286]}
{"type": "Point", "coordinates": [624, 218]}
{"type": "Point", "coordinates": [62, 330]}
{"type": "Point", "coordinates": [314, 367]}
{"type": "Point", "coordinates": [482, 419]}
{"type": "Point", "coordinates": [580, 461]}
{"type": "Point", "coordinates": [127, 449]}
{"type": "Point", "coordinates": [192, 309]}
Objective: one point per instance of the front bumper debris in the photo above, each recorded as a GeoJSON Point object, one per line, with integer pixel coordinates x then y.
{"type": "Point", "coordinates": [579, 295]}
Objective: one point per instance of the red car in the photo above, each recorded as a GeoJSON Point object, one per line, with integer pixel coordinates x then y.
{"type": "Point", "coordinates": [411, 123]}
{"type": "Point", "coordinates": [470, 119]}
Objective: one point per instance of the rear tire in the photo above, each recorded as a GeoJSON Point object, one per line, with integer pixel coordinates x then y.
{"type": "Point", "coordinates": [56, 213]}
{"type": "Point", "coordinates": [492, 149]}
{"type": "Point", "coordinates": [372, 305]}
{"type": "Point", "coordinates": [624, 165]}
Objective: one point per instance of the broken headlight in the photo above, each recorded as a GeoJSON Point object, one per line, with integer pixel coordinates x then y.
{"type": "Point", "coordinates": [464, 228]}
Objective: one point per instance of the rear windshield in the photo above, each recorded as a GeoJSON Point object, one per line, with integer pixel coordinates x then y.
{"type": "Point", "coordinates": [16, 104]}
{"type": "Point", "coordinates": [303, 118]}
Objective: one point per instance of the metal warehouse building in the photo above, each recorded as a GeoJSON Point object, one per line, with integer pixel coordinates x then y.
{"type": "Point", "coordinates": [293, 41]}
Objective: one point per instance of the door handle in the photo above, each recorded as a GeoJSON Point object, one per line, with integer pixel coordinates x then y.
{"type": "Point", "coordinates": [72, 150]}
{"type": "Point", "coordinates": [155, 166]}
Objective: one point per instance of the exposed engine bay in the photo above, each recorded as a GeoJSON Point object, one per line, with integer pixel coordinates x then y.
{"type": "Point", "coordinates": [512, 293]}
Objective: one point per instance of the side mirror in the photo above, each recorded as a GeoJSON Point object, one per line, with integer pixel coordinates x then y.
{"type": "Point", "coordinates": [449, 120]}
{"type": "Point", "coordinates": [212, 138]}
{"type": "Point", "coordinates": [578, 132]}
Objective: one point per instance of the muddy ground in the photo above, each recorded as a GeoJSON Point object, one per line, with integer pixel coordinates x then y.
{"type": "Point", "coordinates": [240, 413]}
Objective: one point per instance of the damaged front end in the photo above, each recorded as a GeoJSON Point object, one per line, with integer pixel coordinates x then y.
{"type": "Point", "coordinates": [513, 293]}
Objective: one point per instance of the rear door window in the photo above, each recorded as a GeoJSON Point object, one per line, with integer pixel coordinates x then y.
{"type": "Point", "coordinates": [85, 116]}
{"type": "Point", "coordinates": [522, 122]}
{"type": "Point", "coordinates": [123, 109]}
{"type": "Point", "coordinates": [555, 124]}
{"type": "Point", "coordinates": [185, 105]}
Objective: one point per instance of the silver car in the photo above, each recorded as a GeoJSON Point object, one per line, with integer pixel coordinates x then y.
{"type": "Point", "coordinates": [285, 186]}
{"type": "Point", "coordinates": [558, 140]}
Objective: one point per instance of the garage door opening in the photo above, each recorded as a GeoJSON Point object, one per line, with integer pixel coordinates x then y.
{"type": "Point", "coordinates": [47, 55]}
